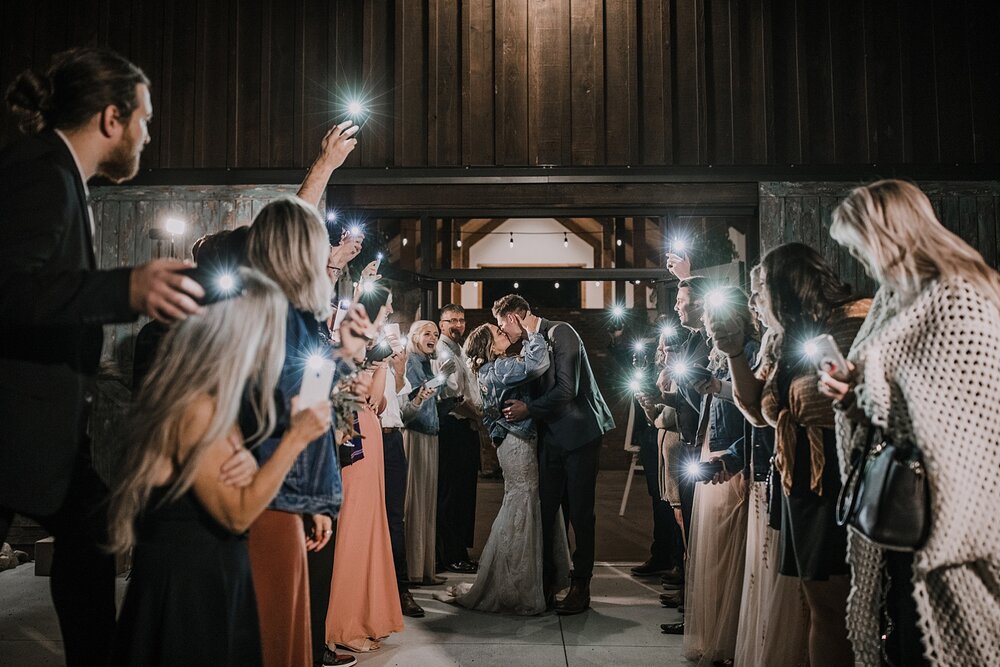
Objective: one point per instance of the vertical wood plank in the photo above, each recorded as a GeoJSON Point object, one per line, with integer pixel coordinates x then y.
{"type": "Point", "coordinates": [587, 86]}
{"type": "Point", "coordinates": [657, 84]}
{"type": "Point", "coordinates": [478, 125]}
{"type": "Point", "coordinates": [549, 120]}
{"type": "Point", "coordinates": [316, 106]}
{"type": "Point", "coordinates": [984, 69]}
{"type": "Point", "coordinates": [278, 66]}
{"type": "Point", "coordinates": [819, 97]}
{"type": "Point", "coordinates": [511, 59]}
{"type": "Point", "coordinates": [411, 92]}
{"type": "Point", "coordinates": [444, 127]}
{"type": "Point", "coordinates": [178, 85]}
{"type": "Point", "coordinates": [986, 224]}
{"type": "Point", "coordinates": [377, 65]}
{"type": "Point", "coordinates": [245, 89]}
{"type": "Point", "coordinates": [147, 52]}
{"type": "Point", "coordinates": [953, 82]}
{"type": "Point", "coordinates": [690, 100]}
{"type": "Point", "coordinates": [849, 60]}
{"type": "Point", "coordinates": [921, 74]}
{"type": "Point", "coordinates": [722, 59]}
{"type": "Point", "coordinates": [210, 85]}
{"type": "Point", "coordinates": [888, 93]}
{"type": "Point", "coordinates": [621, 87]}
{"type": "Point", "coordinates": [791, 113]}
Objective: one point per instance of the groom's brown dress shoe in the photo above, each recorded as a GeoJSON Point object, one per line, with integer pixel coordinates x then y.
{"type": "Point", "coordinates": [577, 600]}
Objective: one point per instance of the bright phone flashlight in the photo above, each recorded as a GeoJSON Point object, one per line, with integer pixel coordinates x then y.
{"type": "Point", "coordinates": [314, 362]}
{"type": "Point", "coordinates": [174, 226]}
{"type": "Point", "coordinates": [618, 311]}
{"type": "Point", "coordinates": [638, 346]}
{"type": "Point", "coordinates": [810, 349]}
{"type": "Point", "coordinates": [679, 246]}
{"type": "Point", "coordinates": [226, 282]}
{"type": "Point", "coordinates": [355, 108]}
{"type": "Point", "coordinates": [668, 330]}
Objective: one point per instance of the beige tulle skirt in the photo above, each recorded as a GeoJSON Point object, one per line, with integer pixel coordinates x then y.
{"type": "Point", "coordinates": [714, 581]}
{"type": "Point", "coordinates": [774, 618]}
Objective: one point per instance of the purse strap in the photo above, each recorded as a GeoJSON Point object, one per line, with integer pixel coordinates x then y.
{"type": "Point", "coordinates": [847, 500]}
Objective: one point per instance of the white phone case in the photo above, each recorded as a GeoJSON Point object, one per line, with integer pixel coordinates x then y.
{"type": "Point", "coordinates": [316, 383]}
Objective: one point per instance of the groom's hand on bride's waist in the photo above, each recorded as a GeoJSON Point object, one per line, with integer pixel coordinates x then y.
{"type": "Point", "coordinates": [515, 411]}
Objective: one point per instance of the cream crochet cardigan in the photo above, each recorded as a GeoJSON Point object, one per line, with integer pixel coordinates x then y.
{"type": "Point", "coordinates": [931, 374]}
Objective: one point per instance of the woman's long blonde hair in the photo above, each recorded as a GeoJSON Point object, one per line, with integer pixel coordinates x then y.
{"type": "Point", "coordinates": [235, 349]}
{"type": "Point", "coordinates": [890, 226]}
{"type": "Point", "coordinates": [289, 243]}
{"type": "Point", "coordinates": [415, 329]}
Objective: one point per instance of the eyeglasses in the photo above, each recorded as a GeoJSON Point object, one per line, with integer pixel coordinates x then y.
{"type": "Point", "coordinates": [455, 320]}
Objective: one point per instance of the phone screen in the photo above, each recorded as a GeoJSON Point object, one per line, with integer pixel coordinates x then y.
{"type": "Point", "coordinates": [317, 380]}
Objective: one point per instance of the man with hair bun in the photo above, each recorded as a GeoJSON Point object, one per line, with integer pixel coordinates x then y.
{"type": "Point", "coordinates": [85, 116]}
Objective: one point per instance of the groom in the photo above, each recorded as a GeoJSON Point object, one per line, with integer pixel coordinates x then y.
{"type": "Point", "coordinates": [571, 417]}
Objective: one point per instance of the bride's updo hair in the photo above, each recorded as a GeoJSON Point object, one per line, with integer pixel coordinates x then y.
{"type": "Point", "coordinates": [78, 84]}
{"type": "Point", "coordinates": [479, 347]}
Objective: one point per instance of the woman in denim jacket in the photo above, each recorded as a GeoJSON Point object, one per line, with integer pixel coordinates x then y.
{"type": "Point", "coordinates": [420, 442]}
{"type": "Point", "coordinates": [289, 243]}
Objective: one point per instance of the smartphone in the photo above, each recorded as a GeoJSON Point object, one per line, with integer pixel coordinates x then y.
{"type": "Point", "coordinates": [824, 352]}
{"type": "Point", "coordinates": [381, 350]}
{"type": "Point", "coordinates": [342, 309]}
{"type": "Point", "coordinates": [704, 471]}
{"type": "Point", "coordinates": [435, 382]}
{"type": "Point", "coordinates": [220, 283]}
{"type": "Point", "coordinates": [317, 381]}
{"type": "Point", "coordinates": [378, 262]}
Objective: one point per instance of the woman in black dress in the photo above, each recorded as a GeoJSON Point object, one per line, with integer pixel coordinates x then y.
{"type": "Point", "coordinates": [190, 599]}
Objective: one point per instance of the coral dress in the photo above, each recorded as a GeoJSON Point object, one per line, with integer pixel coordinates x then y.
{"type": "Point", "coordinates": [364, 600]}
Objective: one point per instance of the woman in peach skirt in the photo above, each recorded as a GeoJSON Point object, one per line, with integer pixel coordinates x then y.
{"type": "Point", "coordinates": [364, 601]}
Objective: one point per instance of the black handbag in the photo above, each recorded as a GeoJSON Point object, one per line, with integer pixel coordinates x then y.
{"type": "Point", "coordinates": [886, 497]}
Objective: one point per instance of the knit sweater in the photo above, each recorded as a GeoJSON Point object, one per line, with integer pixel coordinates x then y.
{"type": "Point", "coordinates": [930, 374]}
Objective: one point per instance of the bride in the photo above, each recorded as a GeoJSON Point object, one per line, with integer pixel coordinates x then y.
{"type": "Point", "coordinates": [510, 569]}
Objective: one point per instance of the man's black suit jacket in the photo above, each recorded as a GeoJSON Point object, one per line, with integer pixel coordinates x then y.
{"type": "Point", "coordinates": [566, 402]}
{"type": "Point", "coordinates": [53, 302]}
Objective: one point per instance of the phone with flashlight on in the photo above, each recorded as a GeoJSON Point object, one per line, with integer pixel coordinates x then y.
{"type": "Point", "coordinates": [703, 471]}
{"type": "Point", "coordinates": [317, 381]}
{"type": "Point", "coordinates": [826, 355]}
{"type": "Point", "coordinates": [220, 283]}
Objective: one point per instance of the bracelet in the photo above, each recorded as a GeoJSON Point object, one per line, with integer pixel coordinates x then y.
{"type": "Point", "coordinates": [735, 356]}
{"type": "Point", "coordinates": [337, 271]}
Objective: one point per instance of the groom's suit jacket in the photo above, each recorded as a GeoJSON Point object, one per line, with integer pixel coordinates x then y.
{"type": "Point", "coordinates": [53, 301]}
{"type": "Point", "coordinates": [566, 402]}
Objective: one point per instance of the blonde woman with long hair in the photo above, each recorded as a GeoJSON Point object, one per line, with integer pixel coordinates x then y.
{"type": "Point", "coordinates": [926, 369]}
{"type": "Point", "coordinates": [191, 597]}
{"type": "Point", "coordinates": [420, 442]}
{"type": "Point", "coordinates": [289, 243]}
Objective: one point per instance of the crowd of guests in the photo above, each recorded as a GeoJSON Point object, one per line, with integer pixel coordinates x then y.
{"type": "Point", "coordinates": [234, 472]}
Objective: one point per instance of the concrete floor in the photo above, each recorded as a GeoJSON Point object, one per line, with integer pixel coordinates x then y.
{"type": "Point", "coordinates": [622, 628]}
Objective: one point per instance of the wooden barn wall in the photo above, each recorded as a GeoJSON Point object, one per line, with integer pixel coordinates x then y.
{"type": "Point", "coordinates": [246, 84]}
{"type": "Point", "coordinates": [124, 215]}
{"type": "Point", "coordinates": [802, 212]}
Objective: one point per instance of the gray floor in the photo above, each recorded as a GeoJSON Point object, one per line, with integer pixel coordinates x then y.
{"type": "Point", "coordinates": [622, 628]}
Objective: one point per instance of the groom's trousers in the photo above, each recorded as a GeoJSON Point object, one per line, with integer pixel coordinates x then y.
{"type": "Point", "coordinates": [569, 478]}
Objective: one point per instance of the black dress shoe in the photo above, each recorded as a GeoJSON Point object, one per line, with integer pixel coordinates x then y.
{"type": "Point", "coordinates": [462, 567]}
{"type": "Point", "coordinates": [672, 628]}
{"type": "Point", "coordinates": [674, 577]}
{"type": "Point", "coordinates": [671, 601]}
{"type": "Point", "coordinates": [409, 605]}
{"type": "Point", "coordinates": [649, 568]}
{"type": "Point", "coordinates": [577, 600]}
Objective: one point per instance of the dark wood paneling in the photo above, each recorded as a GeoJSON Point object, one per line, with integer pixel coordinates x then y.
{"type": "Point", "coordinates": [587, 84]}
{"type": "Point", "coordinates": [444, 110]}
{"type": "Point", "coordinates": [622, 129]}
{"type": "Point", "coordinates": [411, 93]}
{"type": "Point", "coordinates": [511, 26]}
{"type": "Point", "coordinates": [549, 121]}
{"type": "Point", "coordinates": [477, 82]}
{"type": "Point", "coordinates": [802, 212]}
{"type": "Point", "coordinates": [254, 84]}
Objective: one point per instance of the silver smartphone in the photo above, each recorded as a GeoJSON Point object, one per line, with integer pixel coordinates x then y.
{"type": "Point", "coordinates": [317, 381]}
{"type": "Point", "coordinates": [824, 352]}
{"type": "Point", "coordinates": [435, 382]}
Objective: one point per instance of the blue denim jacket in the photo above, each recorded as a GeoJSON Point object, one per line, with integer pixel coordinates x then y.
{"type": "Point", "coordinates": [726, 422]}
{"type": "Point", "coordinates": [504, 379]}
{"type": "Point", "coordinates": [313, 485]}
{"type": "Point", "coordinates": [425, 418]}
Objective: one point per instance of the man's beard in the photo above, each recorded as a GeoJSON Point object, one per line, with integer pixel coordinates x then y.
{"type": "Point", "coordinates": [458, 338]}
{"type": "Point", "coordinates": [122, 164]}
